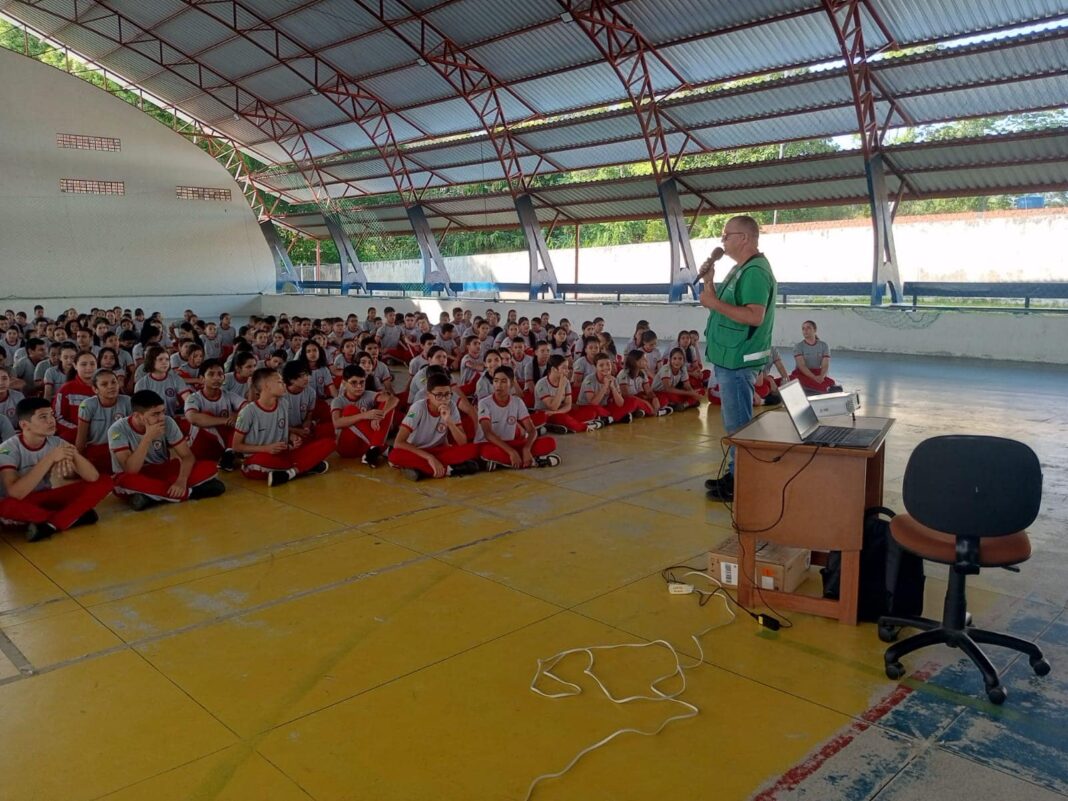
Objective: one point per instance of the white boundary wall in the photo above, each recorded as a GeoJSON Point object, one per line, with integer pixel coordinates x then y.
{"type": "Point", "coordinates": [1004, 336]}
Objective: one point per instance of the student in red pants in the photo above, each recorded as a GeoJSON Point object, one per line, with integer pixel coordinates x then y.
{"type": "Point", "coordinates": [70, 395]}
{"type": "Point", "coordinates": [95, 417]}
{"type": "Point", "coordinates": [272, 452]}
{"type": "Point", "coordinates": [431, 441]}
{"type": "Point", "coordinates": [506, 433]}
{"type": "Point", "coordinates": [552, 395]}
{"type": "Point", "coordinates": [600, 391]}
{"type": "Point", "coordinates": [672, 383]}
{"type": "Point", "coordinates": [211, 412]}
{"type": "Point", "coordinates": [45, 481]}
{"type": "Point", "coordinates": [362, 418]}
{"type": "Point", "coordinates": [151, 458]}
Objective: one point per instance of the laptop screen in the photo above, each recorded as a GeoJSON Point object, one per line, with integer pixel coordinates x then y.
{"type": "Point", "coordinates": [798, 407]}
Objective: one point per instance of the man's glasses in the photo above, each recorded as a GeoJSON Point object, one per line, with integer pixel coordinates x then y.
{"type": "Point", "coordinates": [732, 233]}
{"type": "Point", "coordinates": [442, 396]}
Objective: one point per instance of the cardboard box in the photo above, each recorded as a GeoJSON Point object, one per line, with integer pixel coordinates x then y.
{"type": "Point", "coordinates": [778, 567]}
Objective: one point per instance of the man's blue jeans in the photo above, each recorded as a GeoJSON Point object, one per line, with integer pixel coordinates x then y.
{"type": "Point", "coordinates": [736, 399]}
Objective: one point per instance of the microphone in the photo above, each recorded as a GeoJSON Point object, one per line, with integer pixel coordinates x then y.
{"type": "Point", "coordinates": [710, 262]}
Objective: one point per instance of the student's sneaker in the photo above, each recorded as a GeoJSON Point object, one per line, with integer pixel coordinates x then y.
{"type": "Point", "coordinates": [209, 489]}
{"type": "Point", "coordinates": [412, 474]}
{"type": "Point", "coordinates": [319, 469]}
{"type": "Point", "coordinates": [606, 421]}
{"type": "Point", "coordinates": [276, 477]}
{"type": "Point", "coordinates": [627, 418]}
{"type": "Point", "coordinates": [464, 468]}
{"type": "Point", "coordinates": [552, 460]}
{"type": "Point", "coordinates": [594, 425]}
{"type": "Point", "coordinates": [665, 411]}
{"type": "Point", "coordinates": [556, 428]}
{"type": "Point", "coordinates": [87, 519]}
{"type": "Point", "coordinates": [139, 502]}
{"type": "Point", "coordinates": [40, 531]}
{"type": "Point", "coordinates": [228, 460]}
{"type": "Point", "coordinates": [374, 457]}
{"type": "Point", "coordinates": [488, 466]}
{"type": "Point", "coordinates": [638, 413]}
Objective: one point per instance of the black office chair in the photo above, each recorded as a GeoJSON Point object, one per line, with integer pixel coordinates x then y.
{"type": "Point", "coordinates": [969, 499]}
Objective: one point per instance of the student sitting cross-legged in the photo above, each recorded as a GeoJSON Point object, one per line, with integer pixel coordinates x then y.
{"type": "Point", "coordinates": [552, 395]}
{"type": "Point", "coordinates": [45, 481]}
{"type": "Point", "coordinates": [431, 440]}
{"type": "Point", "coordinates": [212, 412]}
{"type": "Point", "coordinates": [362, 418]}
{"type": "Point", "coordinates": [96, 415]}
{"type": "Point", "coordinates": [506, 433]}
{"type": "Point", "coordinates": [272, 452]}
{"type": "Point", "coordinates": [152, 460]}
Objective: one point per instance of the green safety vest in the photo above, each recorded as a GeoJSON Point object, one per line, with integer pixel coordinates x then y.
{"type": "Point", "coordinates": [736, 345]}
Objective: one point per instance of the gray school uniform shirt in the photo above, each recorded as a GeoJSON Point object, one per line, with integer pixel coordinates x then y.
{"type": "Point", "coordinates": [223, 406]}
{"type": "Point", "coordinates": [364, 403]}
{"type": "Point", "coordinates": [299, 405]}
{"type": "Point", "coordinates": [100, 418]}
{"type": "Point", "coordinates": [389, 336]}
{"type": "Point", "coordinates": [172, 389]}
{"type": "Point", "coordinates": [6, 429]}
{"type": "Point", "coordinates": [26, 369]}
{"type": "Point", "coordinates": [235, 387]}
{"type": "Point", "coordinates": [813, 354]}
{"type": "Point", "coordinates": [18, 456]}
{"type": "Point", "coordinates": [8, 409]}
{"type": "Point", "coordinates": [122, 436]}
{"type": "Point", "coordinates": [504, 420]}
{"type": "Point", "coordinates": [427, 430]}
{"type": "Point", "coordinates": [263, 426]}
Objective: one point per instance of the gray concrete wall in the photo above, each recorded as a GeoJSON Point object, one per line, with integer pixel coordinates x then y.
{"type": "Point", "coordinates": [147, 245]}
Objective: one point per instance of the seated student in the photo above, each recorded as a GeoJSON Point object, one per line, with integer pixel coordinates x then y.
{"type": "Point", "coordinates": [436, 355]}
{"type": "Point", "coordinates": [158, 378]}
{"type": "Point", "coordinates": [410, 333]}
{"type": "Point", "coordinates": [390, 335]}
{"type": "Point", "coordinates": [652, 353]}
{"type": "Point", "coordinates": [70, 395]}
{"type": "Point", "coordinates": [639, 329]}
{"type": "Point", "coordinates": [45, 482]}
{"type": "Point", "coordinates": [381, 373]}
{"type": "Point", "coordinates": [296, 345]}
{"type": "Point", "coordinates": [539, 366]}
{"type": "Point", "coordinates": [238, 382]}
{"type": "Point", "coordinates": [151, 458]}
{"type": "Point", "coordinates": [521, 365]}
{"type": "Point", "coordinates": [468, 413]}
{"type": "Point", "coordinates": [471, 365]}
{"type": "Point", "coordinates": [211, 341]}
{"type": "Point", "coordinates": [189, 369]}
{"type": "Point", "coordinates": [96, 415]}
{"type": "Point", "coordinates": [261, 346]}
{"type": "Point", "coordinates": [43, 366]}
{"type": "Point", "coordinates": [55, 377]}
{"type": "Point", "coordinates": [418, 362]}
{"type": "Point", "coordinates": [504, 339]}
{"type": "Point", "coordinates": [362, 418]}
{"type": "Point", "coordinates": [552, 395]}
{"type": "Point", "coordinates": [634, 383]}
{"type": "Point", "coordinates": [559, 343]}
{"type": "Point", "coordinates": [300, 404]}
{"type": "Point", "coordinates": [346, 357]}
{"type": "Point", "coordinates": [273, 453]}
{"type": "Point", "coordinates": [484, 384]}
{"type": "Point", "coordinates": [485, 340]}
{"type": "Point", "coordinates": [24, 373]}
{"type": "Point", "coordinates": [211, 412]}
{"type": "Point", "coordinates": [583, 363]}
{"type": "Point", "coordinates": [813, 359]}
{"type": "Point", "coordinates": [600, 391]}
{"type": "Point", "coordinates": [431, 440]}
{"type": "Point", "coordinates": [319, 376]}
{"type": "Point", "coordinates": [506, 433]}
{"type": "Point", "coordinates": [672, 383]}
{"type": "Point", "coordinates": [9, 400]}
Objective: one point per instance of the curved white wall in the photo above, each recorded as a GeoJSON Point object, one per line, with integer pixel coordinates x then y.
{"type": "Point", "coordinates": [76, 250]}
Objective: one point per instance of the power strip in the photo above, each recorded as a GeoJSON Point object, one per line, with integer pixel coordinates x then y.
{"type": "Point", "coordinates": [679, 588]}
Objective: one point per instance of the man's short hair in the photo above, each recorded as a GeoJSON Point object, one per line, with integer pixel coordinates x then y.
{"type": "Point", "coordinates": [261, 375]}
{"type": "Point", "coordinates": [508, 371]}
{"type": "Point", "coordinates": [747, 225]}
{"type": "Point", "coordinates": [435, 380]}
{"type": "Point", "coordinates": [145, 399]}
{"type": "Point", "coordinates": [353, 371]}
{"type": "Point", "coordinates": [26, 407]}
{"type": "Point", "coordinates": [209, 364]}
{"type": "Point", "coordinates": [291, 371]}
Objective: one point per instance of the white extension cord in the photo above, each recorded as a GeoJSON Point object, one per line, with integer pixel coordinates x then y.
{"type": "Point", "coordinates": [546, 666]}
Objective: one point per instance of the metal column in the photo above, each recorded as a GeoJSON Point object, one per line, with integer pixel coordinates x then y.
{"type": "Point", "coordinates": [683, 267]}
{"type": "Point", "coordinates": [435, 276]}
{"type": "Point", "coordinates": [884, 270]}
{"type": "Point", "coordinates": [352, 273]}
{"type": "Point", "coordinates": [542, 274]}
{"type": "Point", "coordinates": [284, 270]}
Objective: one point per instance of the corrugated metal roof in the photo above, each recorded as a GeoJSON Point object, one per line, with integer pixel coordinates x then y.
{"type": "Point", "coordinates": [922, 20]}
{"type": "Point", "coordinates": [539, 50]}
{"type": "Point", "coordinates": [671, 20]}
{"type": "Point", "coordinates": [193, 31]}
{"type": "Point", "coordinates": [470, 21]}
{"type": "Point", "coordinates": [772, 98]}
{"type": "Point", "coordinates": [320, 25]}
{"type": "Point", "coordinates": [370, 54]}
{"type": "Point", "coordinates": [989, 100]}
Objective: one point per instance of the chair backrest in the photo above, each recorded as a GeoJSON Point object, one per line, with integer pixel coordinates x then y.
{"type": "Point", "coordinates": [973, 486]}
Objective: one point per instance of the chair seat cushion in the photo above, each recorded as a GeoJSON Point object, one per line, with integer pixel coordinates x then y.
{"type": "Point", "coordinates": [938, 546]}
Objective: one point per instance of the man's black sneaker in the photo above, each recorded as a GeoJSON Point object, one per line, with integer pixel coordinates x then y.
{"type": "Point", "coordinates": [227, 460]}
{"type": "Point", "coordinates": [464, 468]}
{"type": "Point", "coordinates": [722, 492]}
{"type": "Point", "coordinates": [556, 428]}
{"type": "Point", "coordinates": [209, 489]}
{"type": "Point", "coordinates": [726, 478]}
{"type": "Point", "coordinates": [40, 531]}
{"type": "Point", "coordinates": [87, 519]}
{"type": "Point", "coordinates": [319, 469]}
{"type": "Point", "coordinates": [139, 502]}
{"type": "Point", "coordinates": [276, 477]}
{"type": "Point", "coordinates": [374, 457]}
{"type": "Point", "coordinates": [551, 460]}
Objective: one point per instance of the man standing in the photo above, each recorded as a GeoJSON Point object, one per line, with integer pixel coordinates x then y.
{"type": "Point", "coordinates": [738, 336]}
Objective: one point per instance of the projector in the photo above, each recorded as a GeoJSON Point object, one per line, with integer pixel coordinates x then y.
{"type": "Point", "coordinates": [833, 404]}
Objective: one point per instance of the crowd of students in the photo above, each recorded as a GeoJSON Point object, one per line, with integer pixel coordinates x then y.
{"type": "Point", "coordinates": [114, 401]}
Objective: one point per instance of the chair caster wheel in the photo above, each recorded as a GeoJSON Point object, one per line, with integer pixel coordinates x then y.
{"type": "Point", "coordinates": [894, 670]}
{"type": "Point", "coordinates": [997, 695]}
{"type": "Point", "coordinates": [1040, 666]}
{"type": "Point", "coordinates": [888, 633]}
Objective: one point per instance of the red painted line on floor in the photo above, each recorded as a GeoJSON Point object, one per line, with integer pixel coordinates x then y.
{"type": "Point", "coordinates": [801, 771]}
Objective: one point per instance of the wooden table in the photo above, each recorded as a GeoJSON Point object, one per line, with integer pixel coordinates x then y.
{"type": "Point", "coordinates": [822, 507]}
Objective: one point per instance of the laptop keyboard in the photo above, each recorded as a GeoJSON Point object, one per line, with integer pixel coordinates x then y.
{"type": "Point", "coordinates": [832, 434]}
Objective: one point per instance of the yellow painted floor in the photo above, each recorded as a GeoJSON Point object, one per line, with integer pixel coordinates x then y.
{"type": "Point", "coordinates": [358, 636]}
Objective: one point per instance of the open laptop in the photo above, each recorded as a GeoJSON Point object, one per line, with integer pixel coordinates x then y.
{"type": "Point", "coordinates": [808, 425]}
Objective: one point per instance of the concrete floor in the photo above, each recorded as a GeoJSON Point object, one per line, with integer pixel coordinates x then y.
{"type": "Point", "coordinates": [356, 636]}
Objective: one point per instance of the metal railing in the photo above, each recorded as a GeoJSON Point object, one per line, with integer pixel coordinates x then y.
{"type": "Point", "coordinates": [622, 293]}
